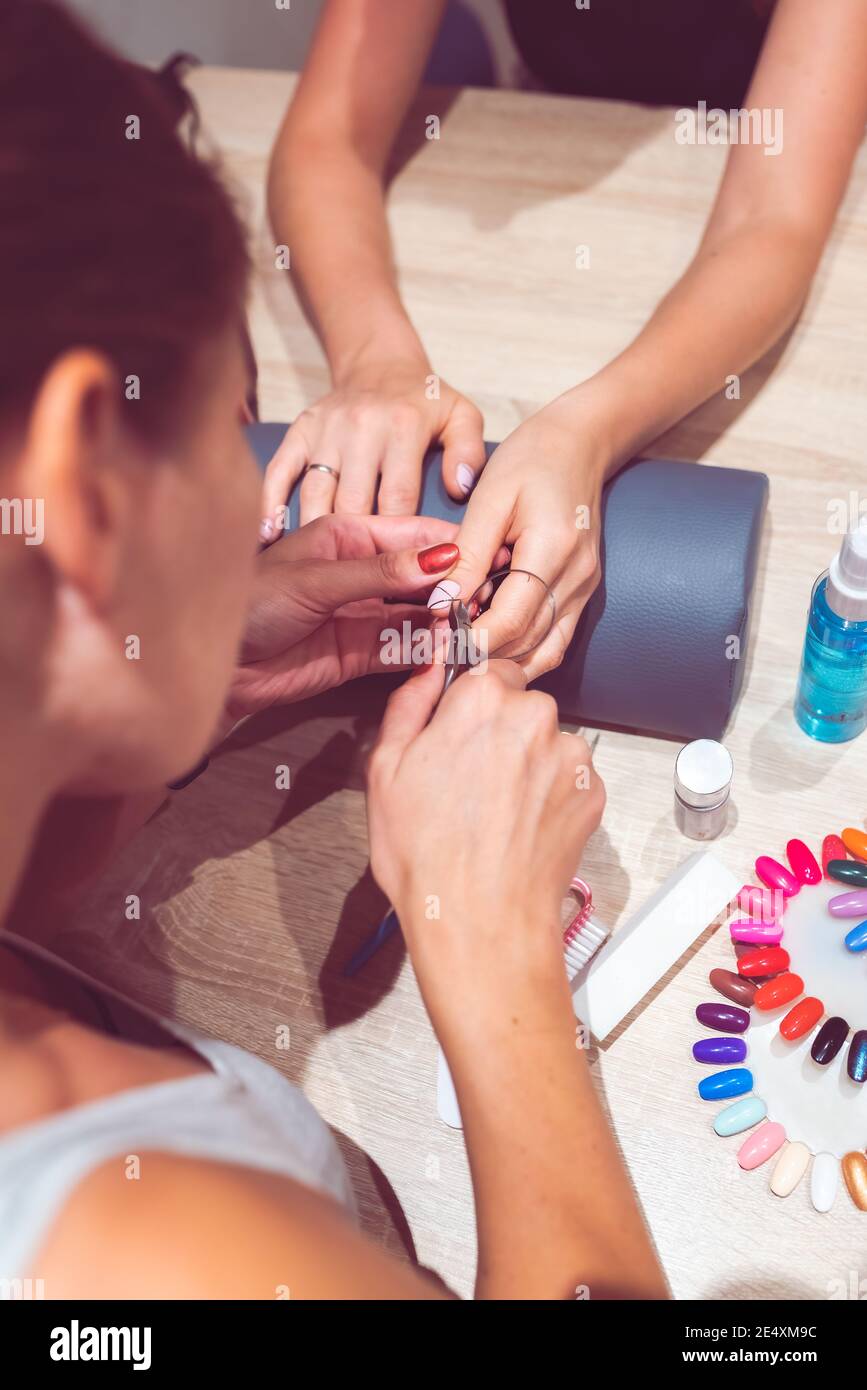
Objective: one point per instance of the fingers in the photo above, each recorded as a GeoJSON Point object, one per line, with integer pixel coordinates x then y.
{"type": "Point", "coordinates": [483, 531]}
{"type": "Point", "coordinates": [548, 655]}
{"type": "Point", "coordinates": [406, 715]}
{"type": "Point", "coordinates": [406, 532]}
{"type": "Point", "coordinates": [280, 477]}
{"type": "Point", "coordinates": [401, 475]}
{"type": "Point", "coordinates": [318, 488]}
{"type": "Point", "coordinates": [326, 585]}
{"type": "Point", "coordinates": [463, 449]}
{"type": "Point", "coordinates": [361, 448]}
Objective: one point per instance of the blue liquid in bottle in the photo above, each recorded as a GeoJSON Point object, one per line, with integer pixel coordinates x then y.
{"type": "Point", "coordinates": [831, 703]}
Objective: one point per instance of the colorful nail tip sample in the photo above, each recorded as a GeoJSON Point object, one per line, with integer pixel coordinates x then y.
{"type": "Point", "coordinates": [724, 1018]}
{"type": "Point", "coordinates": [771, 961]}
{"type": "Point", "coordinates": [849, 904]}
{"type": "Point", "coordinates": [763, 904]}
{"type": "Point", "coordinates": [829, 1039]}
{"type": "Point", "coordinates": [772, 873]}
{"type": "Point", "coordinates": [832, 849]}
{"type": "Point", "coordinates": [802, 1019]}
{"type": "Point", "coordinates": [856, 939]}
{"type": "Point", "coordinates": [777, 992]}
{"type": "Point", "coordinates": [712, 1051]}
{"type": "Point", "coordinates": [824, 1181]}
{"type": "Point", "coordinates": [761, 1145]}
{"type": "Point", "coordinates": [740, 1115]}
{"type": "Point", "coordinates": [725, 1085]}
{"type": "Point", "coordinates": [756, 933]}
{"type": "Point", "coordinates": [732, 986]}
{"type": "Point", "coordinates": [789, 1168]}
{"type": "Point", "coordinates": [855, 842]}
{"type": "Point", "coordinates": [856, 1062]}
{"type": "Point", "coordinates": [854, 1166]}
{"type": "Point", "coordinates": [803, 862]}
{"type": "Point", "coordinates": [847, 871]}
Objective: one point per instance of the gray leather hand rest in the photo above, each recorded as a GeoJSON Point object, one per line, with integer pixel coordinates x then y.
{"type": "Point", "coordinates": [662, 645]}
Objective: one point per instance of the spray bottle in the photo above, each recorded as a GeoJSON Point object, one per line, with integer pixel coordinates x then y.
{"type": "Point", "coordinates": [831, 703]}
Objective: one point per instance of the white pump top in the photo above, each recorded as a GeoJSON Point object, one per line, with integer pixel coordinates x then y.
{"type": "Point", "coordinates": [847, 576]}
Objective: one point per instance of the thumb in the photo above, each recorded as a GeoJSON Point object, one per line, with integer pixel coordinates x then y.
{"type": "Point", "coordinates": [463, 449]}
{"type": "Point", "coordinates": [329, 584]}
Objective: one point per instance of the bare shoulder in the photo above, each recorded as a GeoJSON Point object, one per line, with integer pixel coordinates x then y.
{"type": "Point", "coordinates": [181, 1227]}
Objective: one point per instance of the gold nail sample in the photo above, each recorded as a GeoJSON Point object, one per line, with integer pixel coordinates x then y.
{"type": "Point", "coordinates": [854, 1167]}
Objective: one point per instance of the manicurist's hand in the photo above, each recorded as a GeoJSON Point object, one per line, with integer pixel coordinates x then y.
{"type": "Point", "coordinates": [478, 817]}
{"type": "Point", "coordinates": [377, 422]}
{"type": "Point", "coordinates": [319, 612]}
{"type": "Point", "coordinates": [478, 812]}
{"type": "Point", "coordinates": [540, 493]}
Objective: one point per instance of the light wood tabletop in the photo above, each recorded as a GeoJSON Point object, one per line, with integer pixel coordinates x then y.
{"type": "Point", "coordinates": [253, 898]}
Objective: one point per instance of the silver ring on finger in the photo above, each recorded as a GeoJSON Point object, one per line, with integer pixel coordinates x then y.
{"type": "Point", "coordinates": [321, 468]}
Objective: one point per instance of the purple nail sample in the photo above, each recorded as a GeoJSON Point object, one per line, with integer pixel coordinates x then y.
{"type": "Point", "coordinates": [849, 904]}
{"type": "Point", "coordinates": [716, 1050]}
{"type": "Point", "coordinates": [725, 1018]}
{"type": "Point", "coordinates": [829, 1039]}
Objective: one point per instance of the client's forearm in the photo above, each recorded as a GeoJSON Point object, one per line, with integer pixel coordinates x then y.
{"type": "Point", "coordinates": [327, 206]}
{"type": "Point", "coordinates": [739, 295]}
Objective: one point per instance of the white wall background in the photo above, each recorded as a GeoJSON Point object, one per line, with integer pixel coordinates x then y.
{"type": "Point", "coordinates": [246, 33]}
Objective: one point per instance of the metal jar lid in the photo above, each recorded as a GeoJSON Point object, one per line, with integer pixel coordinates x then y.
{"type": "Point", "coordinates": [703, 773]}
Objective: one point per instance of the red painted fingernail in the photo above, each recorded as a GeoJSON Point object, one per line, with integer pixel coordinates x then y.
{"type": "Point", "coordinates": [437, 558]}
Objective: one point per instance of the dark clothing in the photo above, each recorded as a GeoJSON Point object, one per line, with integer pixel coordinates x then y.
{"type": "Point", "coordinates": [661, 52]}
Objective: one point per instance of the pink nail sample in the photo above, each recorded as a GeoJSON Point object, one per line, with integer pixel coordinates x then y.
{"type": "Point", "coordinates": [761, 1145]}
{"type": "Point", "coordinates": [804, 864]}
{"type": "Point", "coordinates": [763, 904]}
{"type": "Point", "coordinates": [775, 876]}
{"type": "Point", "coordinates": [849, 904]}
{"type": "Point", "coordinates": [768, 933]}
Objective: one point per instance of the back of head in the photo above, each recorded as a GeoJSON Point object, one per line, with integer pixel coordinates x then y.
{"type": "Point", "coordinates": [114, 234]}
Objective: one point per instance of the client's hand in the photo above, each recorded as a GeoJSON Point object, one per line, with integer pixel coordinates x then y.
{"type": "Point", "coordinates": [540, 493]}
{"type": "Point", "coordinates": [318, 612]}
{"type": "Point", "coordinates": [478, 818]}
{"type": "Point", "coordinates": [378, 422]}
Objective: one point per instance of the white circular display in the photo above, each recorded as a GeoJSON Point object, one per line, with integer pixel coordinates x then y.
{"type": "Point", "coordinates": [820, 1106]}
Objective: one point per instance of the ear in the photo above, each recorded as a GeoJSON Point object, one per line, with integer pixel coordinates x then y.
{"type": "Point", "coordinates": [74, 460]}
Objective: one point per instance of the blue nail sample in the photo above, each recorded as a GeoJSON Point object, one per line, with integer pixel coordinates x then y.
{"type": "Point", "coordinates": [742, 1115]}
{"type": "Point", "coordinates": [717, 1050]}
{"type": "Point", "coordinates": [856, 939]}
{"type": "Point", "coordinates": [723, 1085]}
{"type": "Point", "coordinates": [856, 1063]}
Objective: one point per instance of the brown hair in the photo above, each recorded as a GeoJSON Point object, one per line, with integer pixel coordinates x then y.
{"type": "Point", "coordinates": [127, 245]}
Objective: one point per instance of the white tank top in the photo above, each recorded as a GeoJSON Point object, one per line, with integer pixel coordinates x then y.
{"type": "Point", "coordinates": [242, 1112]}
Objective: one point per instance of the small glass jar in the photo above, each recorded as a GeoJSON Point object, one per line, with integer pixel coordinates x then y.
{"type": "Point", "coordinates": [702, 786]}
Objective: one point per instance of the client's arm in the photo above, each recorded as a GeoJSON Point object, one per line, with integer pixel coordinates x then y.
{"type": "Point", "coordinates": [741, 292]}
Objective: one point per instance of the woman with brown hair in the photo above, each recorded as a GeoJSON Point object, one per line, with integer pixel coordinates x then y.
{"type": "Point", "coordinates": [122, 279]}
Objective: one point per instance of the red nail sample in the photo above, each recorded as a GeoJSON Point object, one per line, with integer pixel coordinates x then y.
{"type": "Point", "coordinates": [832, 848]}
{"type": "Point", "coordinates": [781, 990]}
{"type": "Point", "coordinates": [770, 960]}
{"type": "Point", "coordinates": [803, 862]}
{"type": "Point", "coordinates": [802, 1018]}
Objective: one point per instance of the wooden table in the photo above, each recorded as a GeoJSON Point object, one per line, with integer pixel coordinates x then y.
{"type": "Point", "coordinates": [253, 898]}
